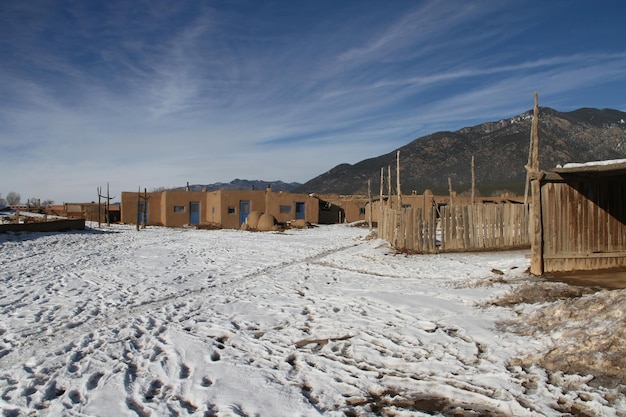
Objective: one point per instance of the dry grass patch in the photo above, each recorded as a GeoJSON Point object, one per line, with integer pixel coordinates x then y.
{"type": "Point", "coordinates": [587, 329]}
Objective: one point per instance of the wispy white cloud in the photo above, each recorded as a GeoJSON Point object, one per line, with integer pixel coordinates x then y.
{"type": "Point", "coordinates": [415, 30]}
{"type": "Point", "coordinates": [160, 93]}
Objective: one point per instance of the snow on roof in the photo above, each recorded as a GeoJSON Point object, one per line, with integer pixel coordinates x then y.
{"type": "Point", "coordinates": [593, 163]}
{"type": "Point", "coordinates": [7, 211]}
{"type": "Point", "coordinates": [593, 166]}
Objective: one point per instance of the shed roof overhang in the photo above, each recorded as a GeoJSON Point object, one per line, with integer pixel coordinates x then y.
{"type": "Point", "coordinates": [601, 168]}
{"type": "Point", "coordinates": [590, 170]}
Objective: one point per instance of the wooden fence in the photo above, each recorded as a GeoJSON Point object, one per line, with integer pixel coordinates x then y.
{"type": "Point", "coordinates": [457, 228]}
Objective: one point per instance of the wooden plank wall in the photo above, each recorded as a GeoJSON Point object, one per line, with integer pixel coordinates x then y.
{"type": "Point", "coordinates": [485, 227]}
{"type": "Point", "coordinates": [584, 227]}
{"type": "Point", "coordinates": [457, 228]}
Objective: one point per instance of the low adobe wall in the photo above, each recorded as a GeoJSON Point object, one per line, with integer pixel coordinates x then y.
{"type": "Point", "coordinates": [51, 226]}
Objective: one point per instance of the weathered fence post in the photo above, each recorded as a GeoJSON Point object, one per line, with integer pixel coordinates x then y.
{"type": "Point", "coordinates": [389, 190]}
{"type": "Point", "coordinates": [380, 198]}
{"type": "Point", "coordinates": [369, 200]}
{"type": "Point", "coordinates": [536, 264]}
{"type": "Point", "coordinates": [398, 180]}
{"type": "Point", "coordinates": [473, 200]}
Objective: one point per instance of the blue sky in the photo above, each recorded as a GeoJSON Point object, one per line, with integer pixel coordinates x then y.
{"type": "Point", "coordinates": [160, 93]}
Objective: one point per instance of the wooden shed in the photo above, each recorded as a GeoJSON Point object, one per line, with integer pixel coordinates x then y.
{"type": "Point", "coordinates": [579, 217]}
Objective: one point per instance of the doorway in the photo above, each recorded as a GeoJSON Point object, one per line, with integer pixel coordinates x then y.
{"type": "Point", "coordinates": [300, 211]}
{"type": "Point", "coordinates": [244, 210]}
{"type": "Point", "coordinates": [194, 212]}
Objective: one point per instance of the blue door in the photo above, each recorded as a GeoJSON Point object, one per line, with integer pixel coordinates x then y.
{"type": "Point", "coordinates": [244, 210]}
{"type": "Point", "coordinates": [300, 211]}
{"type": "Point", "coordinates": [142, 213]}
{"type": "Point", "coordinates": [194, 212]}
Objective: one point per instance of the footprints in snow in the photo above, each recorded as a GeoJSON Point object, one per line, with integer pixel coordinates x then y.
{"type": "Point", "coordinates": [94, 380]}
{"type": "Point", "coordinates": [184, 371]}
{"type": "Point", "coordinates": [148, 367]}
{"type": "Point", "coordinates": [153, 390]}
{"type": "Point", "coordinates": [141, 356]}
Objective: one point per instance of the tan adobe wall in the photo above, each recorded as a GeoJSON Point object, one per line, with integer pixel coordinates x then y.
{"type": "Point", "coordinates": [354, 210]}
{"type": "Point", "coordinates": [88, 211]}
{"type": "Point", "coordinates": [155, 213]}
{"type": "Point", "coordinates": [430, 200]}
{"type": "Point", "coordinates": [214, 212]}
{"type": "Point", "coordinates": [229, 205]}
{"type": "Point", "coordinates": [283, 206]}
{"type": "Point", "coordinates": [166, 208]}
{"type": "Point", "coordinates": [175, 207]}
{"type": "Point", "coordinates": [411, 200]}
{"type": "Point", "coordinates": [129, 207]}
{"type": "Point", "coordinates": [219, 208]}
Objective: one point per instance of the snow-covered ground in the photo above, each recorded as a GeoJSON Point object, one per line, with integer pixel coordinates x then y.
{"type": "Point", "coordinates": [176, 322]}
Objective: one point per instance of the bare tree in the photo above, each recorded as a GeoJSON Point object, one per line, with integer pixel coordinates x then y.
{"type": "Point", "coordinates": [47, 203]}
{"type": "Point", "coordinates": [33, 202]}
{"type": "Point", "coordinates": [13, 198]}
{"type": "Point", "coordinates": [3, 202]}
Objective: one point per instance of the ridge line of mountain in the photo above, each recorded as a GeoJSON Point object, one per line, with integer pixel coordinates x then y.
{"type": "Point", "coordinates": [500, 149]}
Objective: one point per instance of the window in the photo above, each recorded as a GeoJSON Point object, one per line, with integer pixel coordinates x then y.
{"type": "Point", "coordinates": [285, 209]}
{"type": "Point", "coordinates": [231, 209]}
{"type": "Point", "coordinates": [406, 206]}
{"type": "Point", "coordinates": [362, 211]}
{"type": "Point", "coordinates": [179, 209]}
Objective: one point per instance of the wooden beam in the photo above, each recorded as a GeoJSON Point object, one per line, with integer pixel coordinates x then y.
{"type": "Point", "coordinates": [398, 180]}
{"type": "Point", "coordinates": [533, 153]}
{"type": "Point", "coordinates": [380, 199]}
{"type": "Point", "coordinates": [535, 135]}
{"type": "Point", "coordinates": [536, 262]}
{"type": "Point", "coordinates": [473, 200]}
{"type": "Point", "coordinates": [389, 190]}
{"type": "Point", "coordinates": [536, 259]}
{"type": "Point", "coordinates": [369, 200]}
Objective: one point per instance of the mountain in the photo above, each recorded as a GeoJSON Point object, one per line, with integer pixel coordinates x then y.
{"type": "Point", "coordinates": [238, 184]}
{"type": "Point", "coordinates": [500, 150]}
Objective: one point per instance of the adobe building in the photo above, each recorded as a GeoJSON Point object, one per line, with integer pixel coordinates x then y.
{"type": "Point", "coordinates": [88, 211]}
{"type": "Point", "coordinates": [229, 209]}
{"type": "Point", "coordinates": [335, 208]}
{"type": "Point", "coordinates": [226, 209]}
